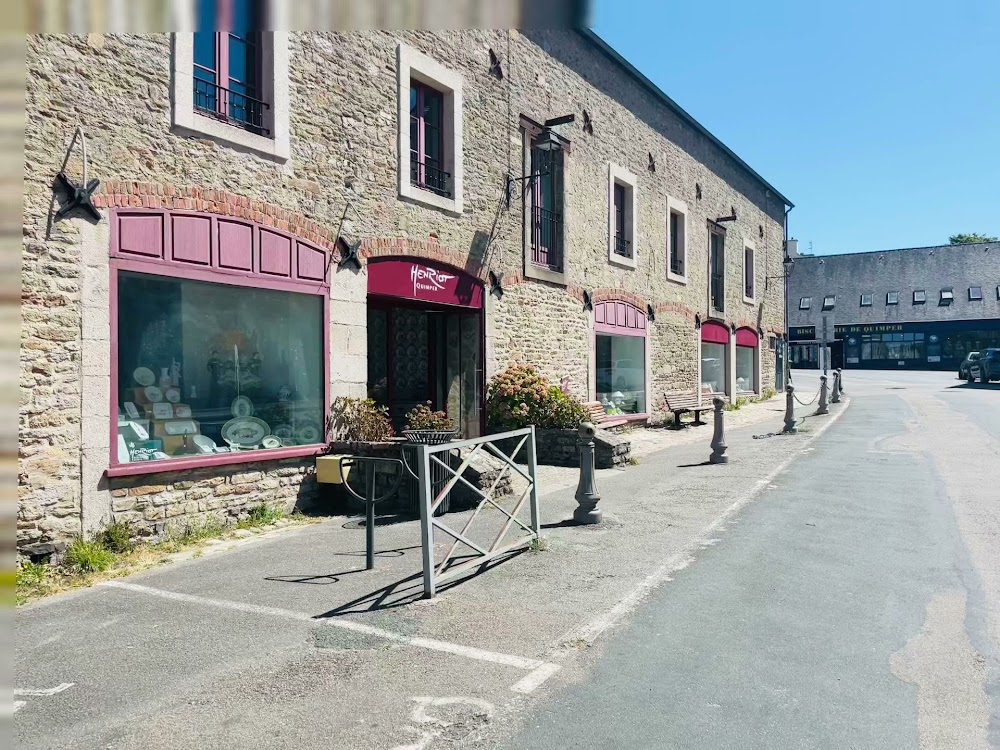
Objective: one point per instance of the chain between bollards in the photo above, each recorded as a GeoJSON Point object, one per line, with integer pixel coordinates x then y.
{"type": "Point", "coordinates": [789, 409]}
{"type": "Point", "coordinates": [823, 407]}
{"type": "Point", "coordinates": [719, 446]}
{"type": "Point", "coordinates": [587, 496]}
{"type": "Point", "coordinates": [835, 398]}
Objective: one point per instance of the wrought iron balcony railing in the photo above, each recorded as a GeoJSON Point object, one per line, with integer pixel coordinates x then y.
{"type": "Point", "coordinates": [238, 109]}
{"type": "Point", "coordinates": [546, 239]}
{"type": "Point", "coordinates": [623, 247]}
{"type": "Point", "coordinates": [429, 177]}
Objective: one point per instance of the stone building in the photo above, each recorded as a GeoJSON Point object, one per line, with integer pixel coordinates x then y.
{"type": "Point", "coordinates": [289, 217]}
{"type": "Point", "coordinates": [919, 308]}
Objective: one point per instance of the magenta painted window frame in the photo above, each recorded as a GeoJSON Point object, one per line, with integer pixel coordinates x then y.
{"type": "Point", "coordinates": [165, 265]}
{"type": "Point", "coordinates": [639, 328]}
{"type": "Point", "coordinates": [421, 145]}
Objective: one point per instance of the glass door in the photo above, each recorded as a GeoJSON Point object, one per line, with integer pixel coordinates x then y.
{"type": "Point", "coordinates": [459, 369]}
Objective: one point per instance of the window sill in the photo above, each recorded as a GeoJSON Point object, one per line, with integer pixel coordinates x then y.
{"type": "Point", "coordinates": [622, 261]}
{"type": "Point", "coordinates": [544, 273]}
{"type": "Point", "coordinates": [750, 300]}
{"type": "Point", "coordinates": [678, 278]}
{"type": "Point", "coordinates": [218, 459]}
{"type": "Point", "coordinates": [413, 194]}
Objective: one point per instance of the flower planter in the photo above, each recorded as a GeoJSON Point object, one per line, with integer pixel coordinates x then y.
{"type": "Point", "coordinates": [429, 437]}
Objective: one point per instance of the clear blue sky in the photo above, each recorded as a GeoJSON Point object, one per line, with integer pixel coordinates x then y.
{"type": "Point", "coordinates": [879, 119]}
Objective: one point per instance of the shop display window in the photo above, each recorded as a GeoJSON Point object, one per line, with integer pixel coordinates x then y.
{"type": "Point", "coordinates": [621, 373]}
{"type": "Point", "coordinates": [746, 369]}
{"type": "Point", "coordinates": [713, 366]}
{"type": "Point", "coordinates": [207, 368]}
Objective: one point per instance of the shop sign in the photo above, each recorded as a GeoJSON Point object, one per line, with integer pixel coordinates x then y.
{"type": "Point", "coordinates": [802, 333]}
{"type": "Point", "coordinates": [426, 281]}
{"type": "Point", "coordinates": [878, 328]}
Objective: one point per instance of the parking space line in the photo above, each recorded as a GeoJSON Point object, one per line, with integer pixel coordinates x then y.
{"type": "Point", "coordinates": [431, 644]}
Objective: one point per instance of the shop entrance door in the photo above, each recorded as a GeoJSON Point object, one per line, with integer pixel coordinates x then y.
{"type": "Point", "coordinates": [418, 354]}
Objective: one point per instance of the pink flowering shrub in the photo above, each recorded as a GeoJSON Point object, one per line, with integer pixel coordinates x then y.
{"type": "Point", "coordinates": [520, 396]}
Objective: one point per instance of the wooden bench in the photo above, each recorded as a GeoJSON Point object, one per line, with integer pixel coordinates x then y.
{"type": "Point", "coordinates": [687, 401]}
{"type": "Point", "coordinates": [601, 419]}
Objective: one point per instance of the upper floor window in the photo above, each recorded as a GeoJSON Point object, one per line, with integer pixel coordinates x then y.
{"type": "Point", "coordinates": [228, 66]}
{"type": "Point", "coordinates": [829, 301]}
{"type": "Point", "coordinates": [676, 240]}
{"type": "Point", "coordinates": [805, 303]}
{"type": "Point", "coordinates": [748, 272]}
{"type": "Point", "coordinates": [427, 140]}
{"type": "Point", "coordinates": [919, 297]}
{"type": "Point", "coordinates": [892, 298]}
{"type": "Point", "coordinates": [430, 132]}
{"type": "Point", "coordinates": [622, 216]}
{"type": "Point", "coordinates": [717, 268]}
{"type": "Point", "coordinates": [975, 293]}
{"type": "Point", "coordinates": [866, 300]}
{"type": "Point", "coordinates": [947, 297]}
{"type": "Point", "coordinates": [230, 78]}
{"type": "Point", "coordinates": [543, 195]}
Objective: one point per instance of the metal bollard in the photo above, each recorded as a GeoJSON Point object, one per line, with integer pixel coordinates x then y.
{"type": "Point", "coordinates": [835, 397]}
{"type": "Point", "coordinates": [840, 379]}
{"type": "Point", "coordinates": [789, 409]}
{"type": "Point", "coordinates": [586, 491]}
{"type": "Point", "coordinates": [719, 435]}
{"type": "Point", "coordinates": [823, 407]}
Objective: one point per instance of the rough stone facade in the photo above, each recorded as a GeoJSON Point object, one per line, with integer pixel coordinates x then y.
{"type": "Point", "coordinates": [342, 94]}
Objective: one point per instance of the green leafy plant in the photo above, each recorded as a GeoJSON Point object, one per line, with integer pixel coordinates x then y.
{"type": "Point", "coordinates": [261, 515]}
{"type": "Point", "coordinates": [767, 394]}
{"type": "Point", "coordinates": [117, 536]}
{"type": "Point", "coordinates": [360, 420]}
{"type": "Point", "coordinates": [520, 396]}
{"type": "Point", "coordinates": [422, 417]}
{"type": "Point", "coordinates": [85, 556]}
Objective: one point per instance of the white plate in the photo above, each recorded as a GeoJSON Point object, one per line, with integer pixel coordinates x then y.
{"type": "Point", "coordinates": [163, 411]}
{"type": "Point", "coordinates": [242, 407]}
{"type": "Point", "coordinates": [131, 410]}
{"type": "Point", "coordinates": [307, 434]}
{"type": "Point", "coordinates": [153, 393]}
{"type": "Point", "coordinates": [181, 427]}
{"type": "Point", "coordinates": [245, 432]}
{"type": "Point", "coordinates": [205, 443]}
{"type": "Point", "coordinates": [144, 376]}
{"type": "Point", "coordinates": [182, 411]}
{"type": "Point", "coordinates": [172, 395]}
{"type": "Point", "coordinates": [271, 441]}
{"type": "Point", "coordinates": [284, 433]}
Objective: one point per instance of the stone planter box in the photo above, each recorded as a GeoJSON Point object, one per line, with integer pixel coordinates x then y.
{"type": "Point", "coordinates": [559, 448]}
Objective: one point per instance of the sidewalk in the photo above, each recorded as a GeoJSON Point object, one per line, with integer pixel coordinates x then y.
{"type": "Point", "coordinates": [289, 639]}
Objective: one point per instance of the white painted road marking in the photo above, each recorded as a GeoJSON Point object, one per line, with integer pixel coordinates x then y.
{"type": "Point", "coordinates": [588, 632]}
{"type": "Point", "coordinates": [431, 644]}
{"type": "Point", "coordinates": [422, 718]}
{"type": "Point", "coordinates": [535, 678]}
{"type": "Point", "coordinates": [37, 693]}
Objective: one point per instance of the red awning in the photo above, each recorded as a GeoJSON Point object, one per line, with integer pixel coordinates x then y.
{"type": "Point", "coordinates": [714, 332]}
{"type": "Point", "coordinates": [747, 337]}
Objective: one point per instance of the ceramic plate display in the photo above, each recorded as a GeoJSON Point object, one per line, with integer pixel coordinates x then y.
{"type": "Point", "coordinates": [144, 376]}
{"type": "Point", "coordinates": [153, 393]}
{"type": "Point", "coordinates": [172, 395]}
{"type": "Point", "coordinates": [163, 410]}
{"type": "Point", "coordinates": [245, 432]}
{"type": "Point", "coordinates": [271, 441]}
{"type": "Point", "coordinates": [182, 411]}
{"type": "Point", "coordinates": [181, 427]}
{"type": "Point", "coordinates": [242, 407]}
{"type": "Point", "coordinates": [284, 433]}
{"type": "Point", "coordinates": [131, 410]}
{"type": "Point", "coordinates": [307, 434]}
{"type": "Point", "coordinates": [205, 443]}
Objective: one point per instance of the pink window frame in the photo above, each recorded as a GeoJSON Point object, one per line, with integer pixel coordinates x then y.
{"type": "Point", "coordinates": [639, 330]}
{"type": "Point", "coordinates": [422, 133]}
{"type": "Point", "coordinates": [165, 267]}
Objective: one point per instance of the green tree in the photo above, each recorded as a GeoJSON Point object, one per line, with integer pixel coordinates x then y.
{"type": "Point", "coordinates": [969, 239]}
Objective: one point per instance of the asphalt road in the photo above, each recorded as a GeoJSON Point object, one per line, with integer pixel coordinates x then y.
{"type": "Point", "coordinates": [854, 605]}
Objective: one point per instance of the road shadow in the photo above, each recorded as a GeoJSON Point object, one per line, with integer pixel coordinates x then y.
{"type": "Point", "coordinates": [691, 466]}
{"type": "Point", "coordinates": [967, 386]}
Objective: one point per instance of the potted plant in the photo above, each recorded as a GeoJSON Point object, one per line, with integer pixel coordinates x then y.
{"type": "Point", "coordinates": [424, 425]}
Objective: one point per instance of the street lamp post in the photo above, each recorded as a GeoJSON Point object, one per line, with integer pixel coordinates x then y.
{"type": "Point", "coordinates": [787, 262]}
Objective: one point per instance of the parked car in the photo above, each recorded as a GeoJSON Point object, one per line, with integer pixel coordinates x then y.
{"type": "Point", "coordinates": [987, 367]}
{"type": "Point", "coordinates": [963, 369]}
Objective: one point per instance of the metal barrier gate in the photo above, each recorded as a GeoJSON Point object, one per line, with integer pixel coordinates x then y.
{"type": "Point", "coordinates": [428, 460]}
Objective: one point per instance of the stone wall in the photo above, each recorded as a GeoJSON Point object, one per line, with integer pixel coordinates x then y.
{"type": "Point", "coordinates": [342, 93]}
{"type": "Point", "coordinates": [560, 448]}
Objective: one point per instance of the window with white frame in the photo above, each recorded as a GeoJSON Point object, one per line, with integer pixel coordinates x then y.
{"type": "Point", "coordinates": [805, 303]}
{"type": "Point", "coordinates": [919, 297]}
{"type": "Point", "coordinates": [947, 297]}
{"type": "Point", "coordinates": [866, 300]}
{"type": "Point", "coordinates": [622, 236]}
{"type": "Point", "coordinates": [676, 240]}
{"type": "Point", "coordinates": [748, 271]}
{"type": "Point", "coordinates": [892, 298]}
{"type": "Point", "coordinates": [975, 294]}
{"type": "Point", "coordinates": [717, 267]}
{"type": "Point", "coordinates": [230, 80]}
{"type": "Point", "coordinates": [829, 301]}
{"type": "Point", "coordinates": [430, 131]}
{"type": "Point", "coordinates": [544, 258]}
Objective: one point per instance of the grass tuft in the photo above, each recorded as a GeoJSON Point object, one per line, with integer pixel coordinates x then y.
{"type": "Point", "coordinates": [117, 537]}
{"type": "Point", "coordinates": [261, 515]}
{"type": "Point", "coordinates": [84, 556]}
